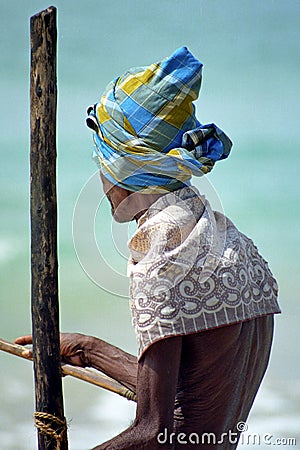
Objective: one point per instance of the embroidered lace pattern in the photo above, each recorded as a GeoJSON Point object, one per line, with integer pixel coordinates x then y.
{"type": "Point", "coordinates": [191, 270]}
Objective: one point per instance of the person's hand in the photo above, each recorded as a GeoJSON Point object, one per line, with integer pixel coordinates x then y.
{"type": "Point", "coordinates": [72, 347]}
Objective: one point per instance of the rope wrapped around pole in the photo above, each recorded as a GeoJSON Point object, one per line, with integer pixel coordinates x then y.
{"type": "Point", "coordinates": [51, 427]}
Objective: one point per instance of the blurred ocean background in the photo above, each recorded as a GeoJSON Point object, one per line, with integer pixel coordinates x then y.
{"type": "Point", "coordinates": [251, 56]}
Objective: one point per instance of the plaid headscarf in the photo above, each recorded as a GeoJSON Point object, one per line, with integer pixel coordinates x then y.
{"type": "Point", "coordinates": [146, 133]}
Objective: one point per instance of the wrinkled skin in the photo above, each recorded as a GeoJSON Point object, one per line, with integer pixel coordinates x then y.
{"type": "Point", "coordinates": [201, 383]}
{"type": "Point", "coordinates": [157, 372]}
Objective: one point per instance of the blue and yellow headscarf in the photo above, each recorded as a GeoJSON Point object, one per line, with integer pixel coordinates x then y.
{"type": "Point", "coordinates": [146, 134]}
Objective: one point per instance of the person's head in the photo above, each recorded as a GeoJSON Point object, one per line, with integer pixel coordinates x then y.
{"type": "Point", "coordinates": [126, 205]}
{"type": "Point", "coordinates": [146, 134]}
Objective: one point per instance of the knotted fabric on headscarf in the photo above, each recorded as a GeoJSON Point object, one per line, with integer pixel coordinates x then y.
{"type": "Point", "coordinates": [146, 134]}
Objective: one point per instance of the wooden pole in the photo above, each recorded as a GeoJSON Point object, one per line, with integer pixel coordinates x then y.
{"type": "Point", "coordinates": [49, 415]}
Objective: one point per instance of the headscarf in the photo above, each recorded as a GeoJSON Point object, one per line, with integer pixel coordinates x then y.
{"type": "Point", "coordinates": [146, 134]}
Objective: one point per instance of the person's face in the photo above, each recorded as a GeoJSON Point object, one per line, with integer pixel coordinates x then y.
{"type": "Point", "coordinates": [122, 208]}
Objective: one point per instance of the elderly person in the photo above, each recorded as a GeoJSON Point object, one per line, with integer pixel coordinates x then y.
{"type": "Point", "coordinates": [202, 297]}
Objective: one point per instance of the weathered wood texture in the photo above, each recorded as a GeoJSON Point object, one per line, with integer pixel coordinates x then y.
{"type": "Point", "coordinates": [43, 209]}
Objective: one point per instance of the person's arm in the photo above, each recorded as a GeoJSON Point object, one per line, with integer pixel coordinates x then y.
{"type": "Point", "coordinates": [113, 361]}
{"type": "Point", "coordinates": [157, 379]}
{"type": "Point", "coordinates": [154, 379]}
{"type": "Point", "coordinates": [88, 351]}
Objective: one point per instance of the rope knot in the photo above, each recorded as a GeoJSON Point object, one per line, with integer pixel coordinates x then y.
{"type": "Point", "coordinates": [51, 425]}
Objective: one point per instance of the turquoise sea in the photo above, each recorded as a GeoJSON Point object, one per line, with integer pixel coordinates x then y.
{"type": "Point", "coordinates": [251, 56]}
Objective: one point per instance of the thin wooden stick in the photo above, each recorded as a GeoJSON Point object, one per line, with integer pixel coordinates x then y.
{"type": "Point", "coordinates": [88, 375]}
